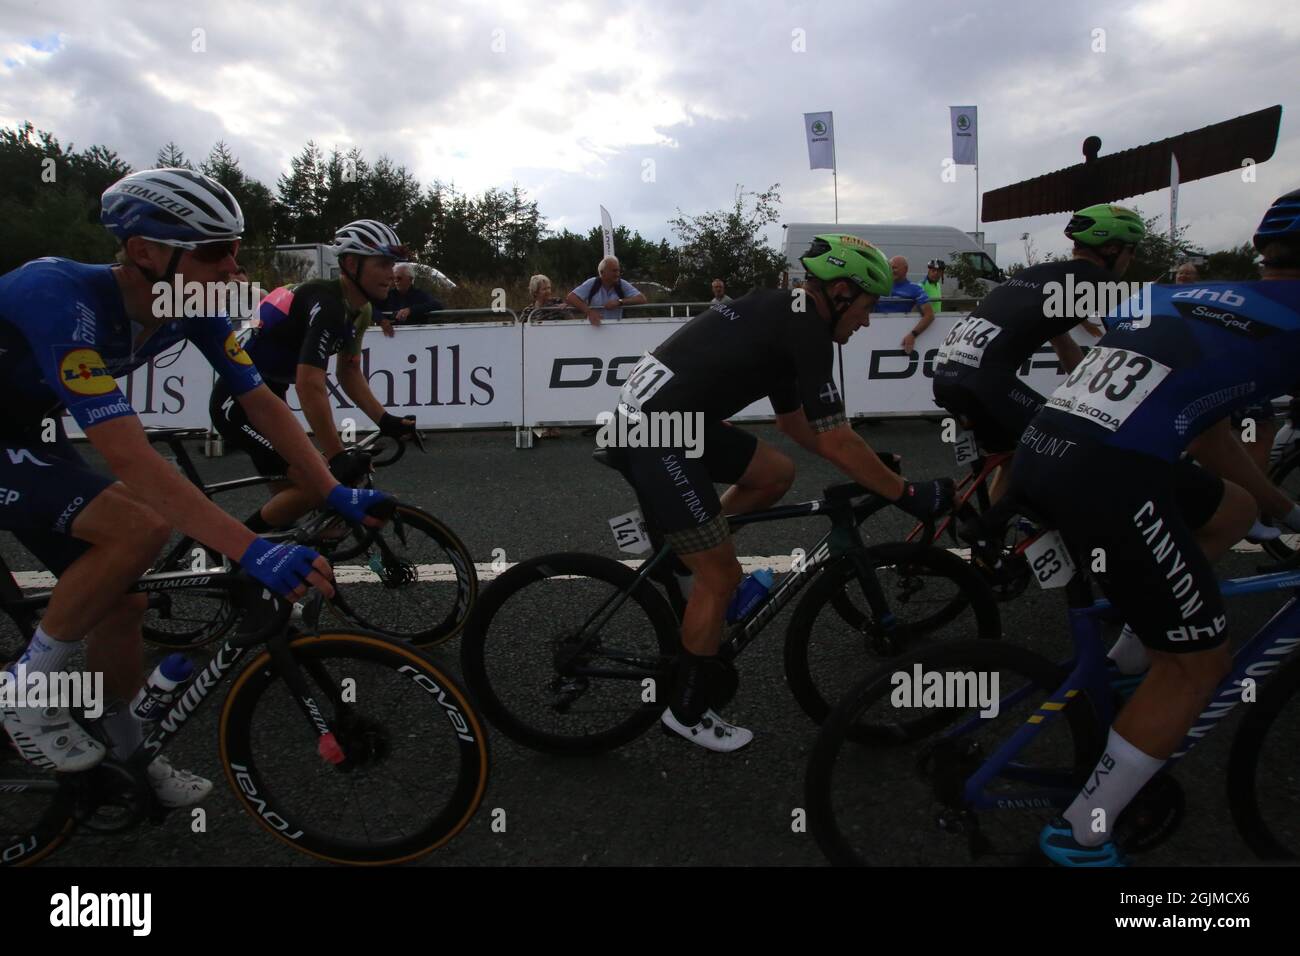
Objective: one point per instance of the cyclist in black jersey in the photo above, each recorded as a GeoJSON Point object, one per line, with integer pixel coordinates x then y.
{"type": "Point", "coordinates": [774, 344]}
{"type": "Point", "coordinates": [975, 371]}
{"type": "Point", "coordinates": [301, 328]}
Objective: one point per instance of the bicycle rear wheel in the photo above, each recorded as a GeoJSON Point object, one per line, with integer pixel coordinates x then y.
{"type": "Point", "coordinates": [547, 676]}
{"type": "Point", "coordinates": [883, 787]}
{"type": "Point", "coordinates": [418, 586]}
{"type": "Point", "coordinates": [1264, 772]}
{"type": "Point", "coordinates": [416, 756]}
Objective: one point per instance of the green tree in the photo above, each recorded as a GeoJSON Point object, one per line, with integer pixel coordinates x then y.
{"type": "Point", "coordinates": [727, 243]}
{"type": "Point", "coordinates": [171, 157]}
{"type": "Point", "coordinates": [1240, 262]}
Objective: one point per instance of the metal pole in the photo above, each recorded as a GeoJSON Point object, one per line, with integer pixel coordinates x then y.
{"type": "Point", "coordinates": [977, 197]}
{"type": "Point", "coordinates": [835, 185]}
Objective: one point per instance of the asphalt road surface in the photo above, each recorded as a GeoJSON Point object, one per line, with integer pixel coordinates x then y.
{"type": "Point", "coordinates": [656, 800]}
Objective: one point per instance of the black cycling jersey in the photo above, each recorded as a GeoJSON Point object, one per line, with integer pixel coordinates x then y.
{"type": "Point", "coordinates": [1010, 324]}
{"type": "Point", "coordinates": [735, 353]}
{"type": "Point", "coordinates": [305, 325]}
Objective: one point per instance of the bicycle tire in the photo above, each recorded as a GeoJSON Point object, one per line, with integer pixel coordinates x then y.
{"type": "Point", "coordinates": [851, 653]}
{"type": "Point", "coordinates": [1271, 838]}
{"type": "Point", "coordinates": [1285, 546]}
{"type": "Point", "coordinates": [427, 610]}
{"type": "Point", "coordinates": [499, 632]}
{"type": "Point", "coordinates": [842, 737]}
{"type": "Point", "coordinates": [439, 716]}
{"type": "Point", "coordinates": [187, 618]}
{"type": "Point", "coordinates": [28, 836]}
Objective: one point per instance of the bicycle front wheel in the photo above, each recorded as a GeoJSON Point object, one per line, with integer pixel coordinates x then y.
{"type": "Point", "coordinates": [886, 787]}
{"type": "Point", "coordinates": [414, 761]}
{"type": "Point", "coordinates": [415, 582]}
{"type": "Point", "coordinates": [1264, 772]}
{"type": "Point", "coordinates": [36, 812]}
{"type": "Point", "coordinates": [932, 594]}
{"type": "Point", "coordinates": [567, 654]}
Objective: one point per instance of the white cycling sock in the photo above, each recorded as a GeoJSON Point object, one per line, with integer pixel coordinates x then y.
{"type": "Point", "coordinates": [45, 655]}
{"type": "Point", "coordinates": [1122, 771]}
{"type": "Point", "coordinates": [124, 729]}
{"type": "Point", "coordinates": [1128, 653]}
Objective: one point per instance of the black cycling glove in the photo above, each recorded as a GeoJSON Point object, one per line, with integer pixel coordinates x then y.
{"type": "Point", "coordinates": [924, 500]}
{"type": "Point", "coordinates": [350, 466]}
{"type": "Point", "coordinates": [393, 427]}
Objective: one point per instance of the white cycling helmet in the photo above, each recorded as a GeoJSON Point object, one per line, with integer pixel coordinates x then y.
{"type": "Point", "coordinates": [369, 237]}
{"type": "Point", "coordinates": [176, 207]}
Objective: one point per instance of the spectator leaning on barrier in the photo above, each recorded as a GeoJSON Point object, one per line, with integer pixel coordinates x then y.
{"type": "Point", "coordinates": [405, 303]}
{"type": "Point", "coordinates": [720, 296]}
{"type": "Point", "coordinates": [1186, 274]}
{"type": "Point", "coordinates": [933, 283]}
{"type": "Point", "coordinates": [916, 298]}
{"type": "Point", "coordinates": [542, 304]}
{"type": "Point", "coordinates": [606, 293]}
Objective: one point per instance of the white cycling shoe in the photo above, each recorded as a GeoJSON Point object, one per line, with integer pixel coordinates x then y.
{"type": "Point", "coordinates": [712, 732]}
{"type": "Point", "coordinates": [176, 788]}
{"type": "Point", "coordinates": [49, 738]}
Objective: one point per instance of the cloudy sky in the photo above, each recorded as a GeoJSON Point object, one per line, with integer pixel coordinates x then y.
{"type": "Point", "coordinates": [663, 105]}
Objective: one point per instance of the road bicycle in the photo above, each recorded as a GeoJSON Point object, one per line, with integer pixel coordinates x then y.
{"type": "Point", "coordinates": [568, 653]}
{"type": "Point", "coordinates": [344, 745]}
{"type": "Point", "coordinates": [893, 782]}
{"type": "Point", "coordinates": [413, 579]}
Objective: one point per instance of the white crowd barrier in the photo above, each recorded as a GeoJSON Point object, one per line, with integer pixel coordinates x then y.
{"type": "Point", "coordinates": [485, 374]}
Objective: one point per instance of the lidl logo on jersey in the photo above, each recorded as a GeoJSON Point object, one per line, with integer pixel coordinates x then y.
{"type": "Point", "coordinates": [235, 352]}
{"type": "Point", "coordinates": [83, 371]}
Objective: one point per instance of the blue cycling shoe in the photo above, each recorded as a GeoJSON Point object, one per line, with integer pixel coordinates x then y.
{"type": "Point", "coordinates": [1058, 844]}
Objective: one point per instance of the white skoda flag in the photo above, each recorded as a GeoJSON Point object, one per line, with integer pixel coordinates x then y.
{"type": "Point", "coordinates": [965, 141]}
{"type": "Point", "coordinates": [821, 140]}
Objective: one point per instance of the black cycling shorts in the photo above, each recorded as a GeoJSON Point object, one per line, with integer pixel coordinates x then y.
{"type": "Point", "coordinates": [997, 408]}
{"type": "Point", "coordinates": [43, 487]}
{"type": "Point", "coordinates": [231, 422]}
{"type": "Point", "coordinates": [1140, 511]}
{"type": "Point", "coordinates": [677, 492]}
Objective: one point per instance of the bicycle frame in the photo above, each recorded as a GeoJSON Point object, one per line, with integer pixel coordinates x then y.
{"type": "Point", "coordinates": [1262, 654]}
{"type": "Point", "coordinates": [843, 538]}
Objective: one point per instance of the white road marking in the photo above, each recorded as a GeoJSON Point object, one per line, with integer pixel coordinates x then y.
{"type": "Point", "coordinates": [443, 573]}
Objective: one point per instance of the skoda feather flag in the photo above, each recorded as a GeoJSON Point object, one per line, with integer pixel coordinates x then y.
{"type": "Point", "coordinates": [821, 140]}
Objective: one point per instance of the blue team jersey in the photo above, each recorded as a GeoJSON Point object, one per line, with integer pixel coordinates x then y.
{"type": "Point", "coordinates": [915, 295]}
{"type": "Point", "coordinates": [1157, 380]}
{"type": "Point", "coordinates": [65, 337]}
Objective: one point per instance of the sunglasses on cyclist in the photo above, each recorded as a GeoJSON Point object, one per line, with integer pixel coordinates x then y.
{"type": "Point", "coordinates": [211, 252]}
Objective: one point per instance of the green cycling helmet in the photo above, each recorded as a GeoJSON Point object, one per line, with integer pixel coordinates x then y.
{"type": "Point", "coordinates": [1098, 225]}
{"type": "Point", "coordinates": [848, 257]}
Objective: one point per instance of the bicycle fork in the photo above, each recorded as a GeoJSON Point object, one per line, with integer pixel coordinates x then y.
{"type": "Point", "coordinates": [327, 744]}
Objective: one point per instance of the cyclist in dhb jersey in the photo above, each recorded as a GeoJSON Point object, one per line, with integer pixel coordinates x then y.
{"type": "Point", "coordinates": [975, 370]}
{"type": "Point", "coordinates": [67, 330]}
{"type": "Point", "coordinates": [1100, 463]}
{"type": "Point", "coordinates": [774, 344]}
{"type": "Point", "coordinates": [300, 329]}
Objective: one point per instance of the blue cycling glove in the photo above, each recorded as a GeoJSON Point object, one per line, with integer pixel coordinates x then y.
{"type": "Point", "coordinates": [281, 567]}
{"type": "Point", "coordinates": [355, 503]}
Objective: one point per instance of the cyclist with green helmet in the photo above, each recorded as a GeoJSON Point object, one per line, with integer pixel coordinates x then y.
{"type": "Point", "coordinates": [772, 344]}
{"type": "Point", "coordinates": [975, 371]}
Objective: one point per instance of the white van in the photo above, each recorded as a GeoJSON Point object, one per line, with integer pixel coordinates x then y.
{"type": "Point", "coordinates": [918, 244]}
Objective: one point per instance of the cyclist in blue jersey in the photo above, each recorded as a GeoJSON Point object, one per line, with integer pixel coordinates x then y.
{"type": "Point", "coordinates": [67, 330]}
{"type": "Point", "coordinates": [1160, 382]}
{"type": "Point", "coordinates": [300, 329]}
